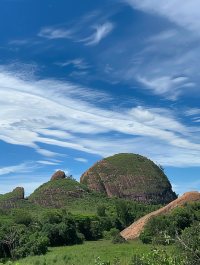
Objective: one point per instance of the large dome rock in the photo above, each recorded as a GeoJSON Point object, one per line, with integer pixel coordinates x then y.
{"type": "Point", "coordinates": [130, 176]}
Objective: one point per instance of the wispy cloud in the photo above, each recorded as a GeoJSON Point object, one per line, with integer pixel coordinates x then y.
{"type": "Point", "coordinates": [163, 36]}
{"type": "Point", "coordinates": [47, 162]}
{"type": "Point", "coordinates": [18, 42]}
{"type": "Point", "coordinates": [81, 160]}
{"type": "Point", "coordinates": [57, 116]}
{"type": "Point", "coordinates": [48, 153]}
{"type": "Point", "coordinates": [192, 111]}
{"type": "Point", "coordinates": [184, 14]}
{"type": "Point", "coordinates": [53, 33]}
{"type": "Point", "coordinates": [164, 85]}
{"type": "Point", "coordinates": [101, 32]}
{"type": "Point", "coordinates": [22, 168]}
{"type": "Point", "coordinates": [77, 63]}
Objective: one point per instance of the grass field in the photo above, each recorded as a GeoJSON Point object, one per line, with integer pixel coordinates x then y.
{"type": "Point", "coordinates": [85, 254]}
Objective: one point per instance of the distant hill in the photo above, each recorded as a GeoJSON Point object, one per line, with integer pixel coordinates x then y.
{"type": "Point", "coordinates": [61, 192]}
{"type": "Point", "coordinates": [130, 176]}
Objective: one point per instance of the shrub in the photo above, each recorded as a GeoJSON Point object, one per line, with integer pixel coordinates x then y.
{"type": "Point", "coordinates": [189, 242]}
{"type": "Point", "coordinates": [119, 240]}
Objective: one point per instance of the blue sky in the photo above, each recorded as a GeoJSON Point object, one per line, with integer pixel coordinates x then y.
{"type": "Point", "coordinates": [83, 80]}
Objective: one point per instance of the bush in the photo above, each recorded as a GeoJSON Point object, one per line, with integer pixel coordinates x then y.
{"type": "Point", "coordinates": [119, 240]}
{"type": "Point", "coordinates": [146, 237]}
{"type": "Point", "coordinates": [80, 238]}
{"type": "Point", "coordinates": [106, 235]}
{"type": "Point", "coordinates": [110, 234]}
{"type": "Point", "coordinates": [189, 242]}
{"type": "Point", "coordinates": [114, 232]}
{"type": "Point", "coordinates": [101, 210]}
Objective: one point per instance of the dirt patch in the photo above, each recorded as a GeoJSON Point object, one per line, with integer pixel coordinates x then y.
{"type": "Point", "coordinates": [134, 230]}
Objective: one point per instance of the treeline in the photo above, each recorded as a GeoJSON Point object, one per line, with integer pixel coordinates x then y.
{"type": "Point", "coordinates": [24, 233]}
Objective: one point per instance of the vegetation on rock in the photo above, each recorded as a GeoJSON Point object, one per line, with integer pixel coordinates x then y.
{"type": "Point", "coordinates": [130, 176]}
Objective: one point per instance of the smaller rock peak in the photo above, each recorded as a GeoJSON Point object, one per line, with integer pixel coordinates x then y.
{"type": "Point", "coordinates": [58, 175]}
{"type": "Point", "coordinates": [19, 188]}
{"type": "Point", "coordinates": [21, 195]}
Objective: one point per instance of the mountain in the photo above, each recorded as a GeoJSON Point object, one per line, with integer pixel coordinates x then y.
{"type": "Point", "coordinates": [134, 230]}
{"type": "Point", "coordinates": [130, 176]}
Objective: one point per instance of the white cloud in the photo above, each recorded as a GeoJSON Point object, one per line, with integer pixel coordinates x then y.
{"type": "Point", "coordinates": [48, 153]}
{"type": "Point", "coordinates": [47, 162]}
{"type": "Point", "coordinates": [23, 167]}
{"type": "Point", "coordinates": [81, 160]}
{"type": "Point", "coordinates": [183, 13]}
{"type": "Point", "coordinates": [47, 112]}
{"type": "Point", "coordinates": [141, 114]}
{"type": "Point", "coordinates": [165, 85]}
{"type": "Point", "coordinates": [53, 33]}
{"type": "Point", "coordinates": [78, 63]}
{"type": "Point", "coordinates": [192, 111]}
{"type": "Point", "coordinates": [163, 36]}
{"type": "Point", "coordinates": [101, 32]}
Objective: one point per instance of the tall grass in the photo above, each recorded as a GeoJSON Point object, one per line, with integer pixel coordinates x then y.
{"type": "Point", "coordinates": [86, 254]}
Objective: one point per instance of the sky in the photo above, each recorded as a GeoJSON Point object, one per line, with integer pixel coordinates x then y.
{"type": "Point", "coordinates": [84, 80]}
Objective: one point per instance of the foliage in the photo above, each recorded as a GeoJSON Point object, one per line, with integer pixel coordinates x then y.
{"type": "Point", "coordinates": [21, 216]}
{"type": "Point", "coordinates": [118, 239]}
{"type": "Point", "coordinates": [101, 210]}
{"type": "Point", "coordinates": [110, 234]}
{"type": "Point", "coordinates": [168, 224]}
{"type": "Point", "coordinates": [156, 256]}
{"type": "Point", "coordinates": [189, 242]}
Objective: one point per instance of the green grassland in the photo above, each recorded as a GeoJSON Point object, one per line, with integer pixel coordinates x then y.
{"type": "Point", "coordinates": [86, 253]}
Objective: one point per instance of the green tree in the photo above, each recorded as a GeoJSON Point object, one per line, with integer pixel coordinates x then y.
{"type": "Point", "coordinates": [21, 216]}
{"type": "Point", "coordinates": [123, 212]}
{"type": "Point", "coordinates": [96, 230]}
{"type": "Point", "coordinates": [101, 210]}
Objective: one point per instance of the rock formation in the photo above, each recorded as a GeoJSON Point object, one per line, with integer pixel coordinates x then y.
{"type": "Point", "coordinates": [134, 230]}
{"type": "Point", "coordinates": [21, 192]}
{"type": "Point", "coordinates": [9, 200]}
{"type": "Point", "coordinates": [130, 176]}
{"type": "Point", "coordinates": [58, 175]}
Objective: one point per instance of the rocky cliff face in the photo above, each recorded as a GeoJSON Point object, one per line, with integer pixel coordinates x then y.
{"type": "Point", "coordinates": [130, 176]}
{"type": "Point", "coordinates": [9, 200]}
{"type": "Point", "coordinates": [134, 230]}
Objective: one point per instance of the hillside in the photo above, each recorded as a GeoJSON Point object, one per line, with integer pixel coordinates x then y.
{"type": "Point", "coordinates": [134, 230]}
{"type": "Point", "coordinates": [60, 192]}
{"type": "Point", "coordinates": [130, 176]}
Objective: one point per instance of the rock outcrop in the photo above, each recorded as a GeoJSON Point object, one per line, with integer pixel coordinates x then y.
{"type": "Point", "coordinates": [58, 175]}
{"type": "Point", "coordinates": [20, 193]}
{"type": "Point", "coordinates": [9, 200]}
{"type": "Point", "coordinates": [130, 176]}
{"type": "Point", "coordinates": [134, 230]}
